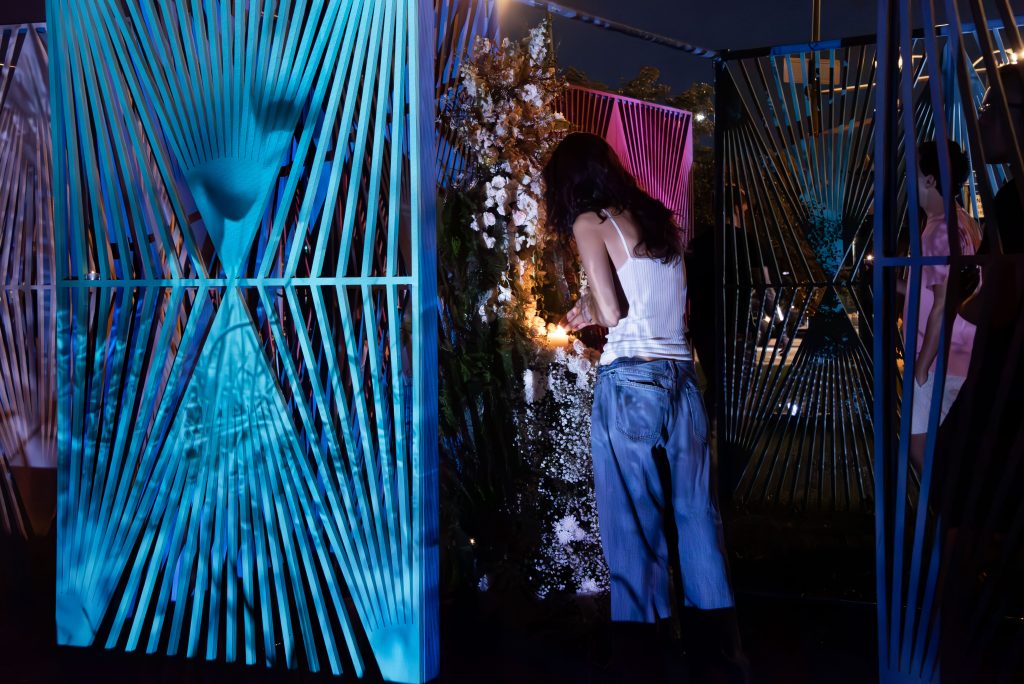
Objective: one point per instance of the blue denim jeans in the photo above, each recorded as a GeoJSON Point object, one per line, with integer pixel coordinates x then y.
{"type": "Point", "coordinates": [652, 465]}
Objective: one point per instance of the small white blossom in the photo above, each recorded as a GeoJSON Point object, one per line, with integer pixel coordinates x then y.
{"type": "Point", "coordinates": [528, 389]}
{"type": "Point", "coordinates": [489, 219]}
{"type": "Point", "coordinates": [568, 530]}
{"type": "Point", "coordinates": [484, 584]}
{"type": "Point", "coordinates": [531, 94]}
{"type": "Point", "coordinates": [489, 241]}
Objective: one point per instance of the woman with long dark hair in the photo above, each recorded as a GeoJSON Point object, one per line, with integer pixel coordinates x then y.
{"type": "Point", "coordinates": [649, 429]}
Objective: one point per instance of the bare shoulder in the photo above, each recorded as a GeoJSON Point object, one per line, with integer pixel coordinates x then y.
{"type": "Point", "coordinates": [588, 225]}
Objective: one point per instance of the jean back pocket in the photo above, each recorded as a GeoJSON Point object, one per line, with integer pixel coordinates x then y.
{"type": "Point", "coordinates": [640, 409]}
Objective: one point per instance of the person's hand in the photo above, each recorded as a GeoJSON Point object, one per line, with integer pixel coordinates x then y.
{"type": "Point", "coordinates": [580, 316]}
{"type": "Point", "coordinates": [920, 375]}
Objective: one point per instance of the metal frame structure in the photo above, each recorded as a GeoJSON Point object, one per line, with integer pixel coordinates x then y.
{"type": "Point", "coordinates": [246, 330]}
{"type": "Point", "coordinates": [655, 142]}
{"type": "Point", "coordinates": [28, 394]}
{"type": "Point", "coordinates": [800, 132]}
{"type": "Point", "coordinates": [459, 22]}
{"type": "Point", "coordinates": [795, 132]}
{"type": "Point", "coordinates": [935, 619]}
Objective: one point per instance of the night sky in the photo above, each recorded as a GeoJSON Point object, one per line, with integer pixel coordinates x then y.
{"type": "Point", "coordinates": [718, 24]}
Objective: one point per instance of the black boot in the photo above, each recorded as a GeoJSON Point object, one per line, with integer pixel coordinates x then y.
{"type": "Point", "coordinates": [637, 653]}
{"type": "Point", "coordinates": [713, 649]}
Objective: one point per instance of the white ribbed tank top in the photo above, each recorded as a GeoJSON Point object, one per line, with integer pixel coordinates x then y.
{"type": "Point", "coordinates": [654, 327]}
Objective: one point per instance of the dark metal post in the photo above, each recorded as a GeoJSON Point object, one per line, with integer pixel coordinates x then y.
{"type": "Point", "coordinates": [815, 20]}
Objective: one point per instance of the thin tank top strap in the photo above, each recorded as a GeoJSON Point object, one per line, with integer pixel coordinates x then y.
{"type": "Point", "coordinates": [621, 236]}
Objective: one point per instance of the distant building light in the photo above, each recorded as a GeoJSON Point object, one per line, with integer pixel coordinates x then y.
{"type": "Point", "coordinates": [700, 117]}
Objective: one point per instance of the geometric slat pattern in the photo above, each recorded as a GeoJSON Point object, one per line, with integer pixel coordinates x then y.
{"type": "Point", "coordinates": [246, 330]}
{"type": "Point", "coordinates": [795, 145]}
{"type": "Point", "coordinates": [949, 599]}
{"type": "Point", "coordinates": [797, 189]}
{"type": "Point", "coordinates": [655, 142]}
{"type": "Point", "coordinates": [28, 387]}
{"type": "Point", "coordinates": [458, 24]}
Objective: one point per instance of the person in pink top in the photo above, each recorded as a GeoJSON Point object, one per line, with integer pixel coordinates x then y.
{"type": "Point", "coordinates": [935, 243]}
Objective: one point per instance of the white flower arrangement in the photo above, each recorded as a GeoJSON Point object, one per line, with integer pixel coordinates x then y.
{"type": "Point", "coordinates": [505, 121]}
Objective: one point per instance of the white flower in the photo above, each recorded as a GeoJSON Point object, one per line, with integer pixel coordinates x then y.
{"type": "Point", "coordinates": [526, 181]}
{"type": "Point", "coordinates": [568, 530]}
{"type": "Point", "coordinates": [538, 45]}
{"type": "Point", "coordinates": [499, 182]}
{"type": "Point", "coordinates": [530, 94]}
{"type": "Point", "coordinates": [483, 313]}
{"type": "Point", "coordinates": [501, 209]}
{"type": "Point", "coordinates": [489, 219]}
{"type": "Point", "coordinates": [589, 586]}
{"type": "Point", "coordinates": [489, 241]}
{"type": "Point", "coordinates": [579, 347]}
{"type": "Point", "coordinates": [519, 217]}
{"type": "Point", "coordinates": [528, 390]}
{"type": "Point", "coordinates": [504, 293]}
{"type": "Point", "coordinates": [475, 225]}
{"type": "Point", "coordinates": [501, 196]}
{"type": "Point", "coordinates": [484, 584]}
{"type": "Point", "coordinates": [528, 204]}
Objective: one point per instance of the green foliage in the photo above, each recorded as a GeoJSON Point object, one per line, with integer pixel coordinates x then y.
{"type": "Point", "coordinates": [699, 100]}
{"type": "Point", "coordinates": [577, 77]}
{"type": "Point", "coordinates": [702, 175]}
{"type": "Point", "coordinates": [646, 86]}
{"type": "Point", "coordinates": [481, 360]}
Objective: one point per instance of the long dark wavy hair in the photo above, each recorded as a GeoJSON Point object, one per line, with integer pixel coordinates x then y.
{"type": "Point", "coordinates": [584, 174]}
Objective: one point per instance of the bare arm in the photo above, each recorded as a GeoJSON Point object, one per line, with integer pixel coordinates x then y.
{"type": "Point", "coordinates": [601, 305]}
{"type": "Point", "coordinates": [932, 332]}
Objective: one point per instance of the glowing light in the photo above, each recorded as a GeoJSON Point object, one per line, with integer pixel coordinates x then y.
{"type": "Point", "coordinates": [700, 117]}
{"type": "Point", "coordinates": [558, 336]}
